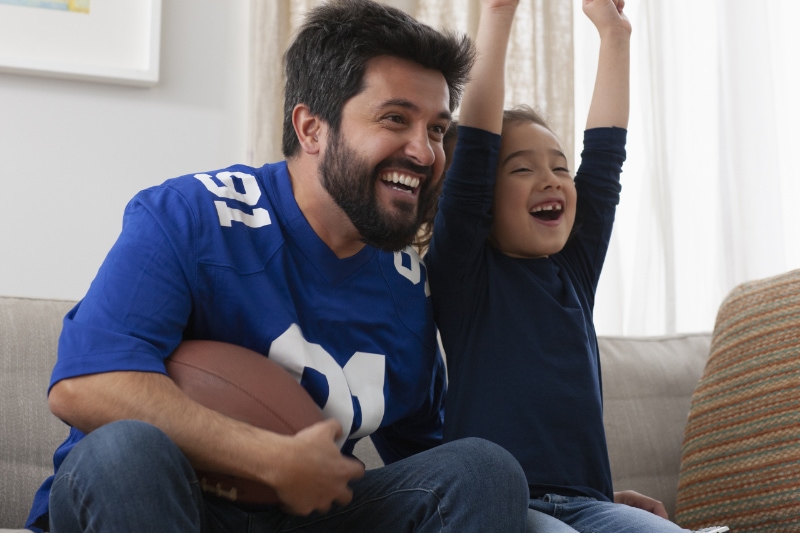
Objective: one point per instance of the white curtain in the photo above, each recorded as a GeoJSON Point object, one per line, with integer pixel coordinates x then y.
{"type": "Point", "coordinates": [272, 25]}
{"type": "Point", "coordinates": [709, 199]}
{"type": "Point", "coordinates": [539, 70]}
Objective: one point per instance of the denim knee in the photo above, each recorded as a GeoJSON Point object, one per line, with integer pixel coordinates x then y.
{"type": "Point", "coordinates": [124, 476]}
{"type": "Point", "coordinates": [492, 470]}
{"type": "Point", "coordinates": [128, 446]}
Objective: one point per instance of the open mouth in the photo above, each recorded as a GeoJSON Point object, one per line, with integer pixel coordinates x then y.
{"type": "Point", "coordinates": [400, 182]}
{"type": "Point", "coordinates": [548, 211]}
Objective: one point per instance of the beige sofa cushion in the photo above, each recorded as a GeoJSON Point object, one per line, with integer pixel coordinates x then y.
{"type": "Point", "coordinates": [741, 454]}
{"type": "Point", "coordinates": [29, 434]}
{"type": "Point", "coordinates": [647, 389]}
{"type": "Point", "coordinates": [647, 381]}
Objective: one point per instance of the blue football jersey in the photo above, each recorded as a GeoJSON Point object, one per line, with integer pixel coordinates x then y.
{"type": "Point", "coordinates": [228, 256]}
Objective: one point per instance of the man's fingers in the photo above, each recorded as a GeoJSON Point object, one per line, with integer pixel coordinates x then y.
{"type": "Point", "coordinates": [345, 497]}
{"type": "Point", "coordinates": [332, 428]}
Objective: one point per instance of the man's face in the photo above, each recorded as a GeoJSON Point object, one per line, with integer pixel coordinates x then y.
{"type": "Point", "coordinates": [383, 165]}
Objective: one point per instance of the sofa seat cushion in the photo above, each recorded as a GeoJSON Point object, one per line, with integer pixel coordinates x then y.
{"type": "Point", "coordinates": [740, 462]}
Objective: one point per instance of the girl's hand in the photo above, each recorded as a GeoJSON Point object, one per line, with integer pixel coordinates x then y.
{"type": "Point", "coordinates": [640, 501]}
{"type": "Point", "coordinates": [500, 4]}
{"type": "Point", "coordinates": [607, 15]}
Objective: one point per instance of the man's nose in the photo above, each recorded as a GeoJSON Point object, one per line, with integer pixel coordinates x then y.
{"type": "Point", "coordinates": [419, 148]}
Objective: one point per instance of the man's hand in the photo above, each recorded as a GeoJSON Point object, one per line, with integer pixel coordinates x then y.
{"type": "Point", "coordinates": [315, 474]}
{"type": "Point", "coordinates": [640, 501]}
{"type": "Point", "coordinates": [307, 470]}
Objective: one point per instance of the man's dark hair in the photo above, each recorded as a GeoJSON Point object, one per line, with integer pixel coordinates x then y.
{"type": "Point", "coordinates": [325, 64]}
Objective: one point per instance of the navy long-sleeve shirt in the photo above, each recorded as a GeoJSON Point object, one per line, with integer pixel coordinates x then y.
{"type": "Point", "coordinates": [518, 334]}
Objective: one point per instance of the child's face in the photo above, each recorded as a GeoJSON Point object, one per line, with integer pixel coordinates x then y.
{"type": "Point", "coordinates": [534, 197]}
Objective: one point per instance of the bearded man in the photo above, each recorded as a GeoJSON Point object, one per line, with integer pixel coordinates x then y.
{"type": "Point", "coordinates": [307, 261]}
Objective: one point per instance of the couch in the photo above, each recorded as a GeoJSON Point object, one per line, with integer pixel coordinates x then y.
{"type": "Point", "coordinates": [648, 384]}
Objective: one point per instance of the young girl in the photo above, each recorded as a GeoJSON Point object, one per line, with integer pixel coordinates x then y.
{"type": "Point", "coordinates": [516, 255]}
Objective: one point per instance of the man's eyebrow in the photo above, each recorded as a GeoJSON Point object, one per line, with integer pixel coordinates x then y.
{"type": "Point", "coordinates": [401, 102]}
{"type": "Point", "coordinates": [520, 153]}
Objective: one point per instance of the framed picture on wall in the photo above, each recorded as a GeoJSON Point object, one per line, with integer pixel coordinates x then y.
{"type": "Point", "coordinates": [110, 41]}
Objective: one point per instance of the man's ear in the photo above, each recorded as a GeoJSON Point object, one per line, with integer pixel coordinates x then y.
{"type": "Point", "coordinates": [308, 127]}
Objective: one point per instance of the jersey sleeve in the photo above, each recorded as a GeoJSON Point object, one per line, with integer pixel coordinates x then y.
{"type": "Point", "coordinates": [137, 307]}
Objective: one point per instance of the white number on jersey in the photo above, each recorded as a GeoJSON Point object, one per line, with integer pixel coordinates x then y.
{"type": "Point", "coordinates": [362, 377]}
{"type": "Point", "coordinates": [412, 273]}
{"type": "Point", "coordinates": [252, 193]}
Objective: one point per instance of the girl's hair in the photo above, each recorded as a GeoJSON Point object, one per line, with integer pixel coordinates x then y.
{"type": "Point", "coordinates": [524, 113]}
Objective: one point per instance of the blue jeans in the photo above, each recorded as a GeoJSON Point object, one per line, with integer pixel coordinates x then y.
{"type": "Point", "coordinates": [129, 476]}
{"type": "Point", "coordinates": [562, 514]}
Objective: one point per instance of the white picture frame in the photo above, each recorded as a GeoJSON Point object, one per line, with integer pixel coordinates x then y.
{"type": "Point", "coordinates": [117, 41]}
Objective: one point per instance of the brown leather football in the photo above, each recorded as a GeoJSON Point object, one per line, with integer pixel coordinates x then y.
{"type": "Point", "coordinates": [245, 385]}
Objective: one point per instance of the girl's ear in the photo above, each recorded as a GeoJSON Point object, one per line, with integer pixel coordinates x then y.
{"type": "Point", "coordinates": [308, 128]}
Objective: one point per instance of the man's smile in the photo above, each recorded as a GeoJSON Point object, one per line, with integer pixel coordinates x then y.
{"type": "Point", "coordinates": [401, 182]}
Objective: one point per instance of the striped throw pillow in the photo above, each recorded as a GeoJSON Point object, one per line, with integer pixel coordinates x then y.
{"type": "Point", "coordinates": [740, 462]}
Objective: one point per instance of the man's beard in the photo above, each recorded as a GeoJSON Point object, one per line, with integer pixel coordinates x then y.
{"type": "Point", "coordinates": [350, 182]}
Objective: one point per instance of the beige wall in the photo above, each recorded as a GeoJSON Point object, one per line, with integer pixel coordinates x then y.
{"type": "Point", "coordinates": [72, 153]}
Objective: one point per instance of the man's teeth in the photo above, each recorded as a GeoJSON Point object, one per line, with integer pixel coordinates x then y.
{"type": "Point", "coordinates": [395, 177]}
{"type": "Point", "coordinates": [550, 207]}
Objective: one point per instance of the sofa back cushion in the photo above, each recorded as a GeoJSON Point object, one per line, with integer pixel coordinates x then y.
{"type": "Point", "coordinates": [647, 389]}
{"type": "Point", "coordinates": [741, 453]}
{"type": "Point", "coordinates": [29, 433]}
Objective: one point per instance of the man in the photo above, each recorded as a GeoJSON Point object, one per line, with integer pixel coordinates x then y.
{"type": "Point", "coordinates": [306, 261]}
